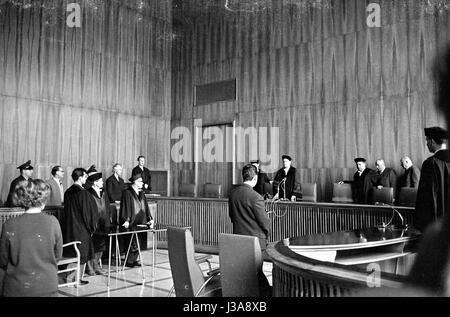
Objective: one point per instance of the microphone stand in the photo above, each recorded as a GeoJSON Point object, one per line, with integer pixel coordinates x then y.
{"type": "Point", "coordinates": [283, 184]}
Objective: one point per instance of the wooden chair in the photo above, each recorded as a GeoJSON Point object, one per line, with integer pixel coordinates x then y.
{"type": "Point", "coordinates": [188, 278]}
{"type": "Point", "coordinates": [382, 196]}
{"type": "Point", "coordinates": [309, 192]}
{"type": "Point", "coordinates": [342, 194]}
{"type": "Point", "coordinates": [71, 260]}
{"type": "Point", "coordinates": [407, 197]}
{"type": "Point", "coordinates": [241, 264]}
{"type": "Point", "coordinates": [212, 190]}
{"type": "Point", "coordinates": [187, 190]}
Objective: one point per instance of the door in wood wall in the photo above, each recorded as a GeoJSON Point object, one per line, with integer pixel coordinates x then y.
{"type": "Point", "coordinates": [216, 166]}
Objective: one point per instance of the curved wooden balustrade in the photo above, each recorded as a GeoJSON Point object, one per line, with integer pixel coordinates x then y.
{"type": "Point", "coordinates": [209, 217]}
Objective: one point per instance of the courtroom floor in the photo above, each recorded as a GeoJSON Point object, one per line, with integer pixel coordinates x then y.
{"type": "Point", "coordinates": [129, 283]}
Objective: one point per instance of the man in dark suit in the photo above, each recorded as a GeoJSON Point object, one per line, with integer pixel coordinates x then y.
{"type": "Point", "coordinates": [26, 171]}
{"type": "Point", "coordinates": [247, 210]}
{"type": "Point", "coordinates": [286, 184]}
{"type": "Point", "coordinates": [248, 215]}
{"type": "Point", "coordinates": [412, 174]}
{"type": "Point", "coordinates": [145, 174]}
{"type": "Point", "coordinates": [56, 197]}
{"type": "Point", "coordinates": [115, 184]}
{"type": "Point", "coordinates": [385, 177]}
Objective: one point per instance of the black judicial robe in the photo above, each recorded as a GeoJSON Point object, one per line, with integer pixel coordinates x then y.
{"type": "Point", "coordinates": [9, 201]}
{"type": "Point", "coordinates": [362, 186]}
{"type": "Point", "coordinates": [433, 194]}
{"type": "Point", "coordinates": [134, 208]}
{"type": "Point", "coordinates": [146, 177]}
{"type": "Point", "coordinates": [262, 179]}
{"type": "Point", "coordinates": [103, 225]}
{"type": "Point", "coordinates": [386, 179]}
{"type": "Point", "coordinates": [292, 184]}
{"type": "Point", "coordinates": [79, 221]}
{"type": "Point", "coordinates": [410, 178]}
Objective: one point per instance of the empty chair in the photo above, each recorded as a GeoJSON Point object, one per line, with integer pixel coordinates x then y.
{"type": "Point", "coordinates": [188, 278]}
{"type": "Point", "coordinates": [65, 261]}
{"type": "Point", "coordinates": [384, 195]}
{"type": "Point", "coordinates": [212, 190]}
{"type": "Point", "coordinates": [309, 192]}
{"type": "Point", "coordinates": [187, 190]}
{"type": "Point", "coordinates": [407, 196]}
{"type": "Point", "coordinates": [241, 263]}
{"type": "Point", "coordinates": [342, 193]}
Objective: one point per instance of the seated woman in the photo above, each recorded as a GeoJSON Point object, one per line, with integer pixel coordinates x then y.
{"type": "Point", "coordinates": [30, 245]}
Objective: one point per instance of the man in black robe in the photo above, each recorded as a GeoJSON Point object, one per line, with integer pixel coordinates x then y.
{"type": "Point", "coordinates": [145, 174]}
{"type": "Point", "coordinates": [362, 182]}
{"type": "Point", "coordinates": [431, 268]}
{"type": "Point", "coordinates": [385, 177]}
{"type": "Point", "coordinates": [80, 218]}
{"type": "Point", "coordinates": [103, 225]}
{"type": "Point", "coordinates": [433, 194]}
{"type": "Point", "coordinates": [134, 215]}
{"type": "Point", "coordinates": [286, 184]}
{"type": "Point", "coordinates": [263, 181]}
{"type": "Point", "coordinates": [26, 171]}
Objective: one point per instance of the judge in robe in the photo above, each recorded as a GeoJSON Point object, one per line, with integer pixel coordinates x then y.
{"type": "Point", "coordinates": [433, 194]}
{"type": "Point", "coordinates": [286, 184]}
{"type": "Point", "coordinates": [103, 226]}
{"type": "Point", "coordinates": [134, 215]}
{"type": "Point", "coordinates": [56, 197]}
{"type": "Point", "coordinates": [263, 179]}
{"type": "Point", "coordinates": [26, 171]}
{"type": "Point", "coordinates": [385, 177]}
{"type": "Point", "coordinates": [80, 218]}
{"type": "Point", "coordinates": [145, 174]}
{"type": "Point", "coordinates": [362, 182]}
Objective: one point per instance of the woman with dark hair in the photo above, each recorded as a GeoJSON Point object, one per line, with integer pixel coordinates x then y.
{"type": "Point", "coordinates": [30, 245]}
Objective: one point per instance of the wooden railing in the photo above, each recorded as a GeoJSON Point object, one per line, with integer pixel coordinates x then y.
{"type": "Point", "coordinates": [209, 217]}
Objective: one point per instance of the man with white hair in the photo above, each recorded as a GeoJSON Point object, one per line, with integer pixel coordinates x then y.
{"type": "Point", "coordinates": [386, 177]}
{"type": "Point", "coordinates": [412, 173]}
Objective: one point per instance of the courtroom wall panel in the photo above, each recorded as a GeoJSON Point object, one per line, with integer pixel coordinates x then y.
{"type": "Point", "coordinates": [97, 94]}
{"type": "Point", "coordinates": [336, 88]}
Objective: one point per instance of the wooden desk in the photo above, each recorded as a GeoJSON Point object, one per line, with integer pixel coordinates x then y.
{"type": "Point", "coordinates": [338, 264]}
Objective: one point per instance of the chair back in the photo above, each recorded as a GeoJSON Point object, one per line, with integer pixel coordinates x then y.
{"type": "Point", "coordinates": [212, 190]}
{"type": "Point", "coordinates": [407, 197]}
{"type": "Point", "coordinates": [186, 273]}
{"type": "Point", "coordinates": [309, 192]}
{"type": "Point", "coordinates": [240, 264]}
{"type": "Point", "coordinates": [384, 195]}
{"type": "Point", "coordinates": [342, 193]}
{"type": "Point", "coordinates": [187, 190]}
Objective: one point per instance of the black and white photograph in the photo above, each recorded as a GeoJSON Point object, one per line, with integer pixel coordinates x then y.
{"type": "Point", "coordinates": [239, 154]}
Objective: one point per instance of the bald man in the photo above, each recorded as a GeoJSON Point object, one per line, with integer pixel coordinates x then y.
{"type": "Point", "coordinates": [412, 173]}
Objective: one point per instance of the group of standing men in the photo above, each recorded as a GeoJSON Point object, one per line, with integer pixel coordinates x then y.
{"type": "Point", "coordinates": [89, 209]}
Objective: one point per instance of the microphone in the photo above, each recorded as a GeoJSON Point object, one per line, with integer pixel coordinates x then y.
{"type": "Point", "coordinates": [394, 212]}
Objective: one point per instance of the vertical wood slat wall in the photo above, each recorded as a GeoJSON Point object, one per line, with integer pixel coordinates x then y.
{"type": "Point", "coordinates": [98, 94]}
{"type": "Point", "coordinates": [336, 88]}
